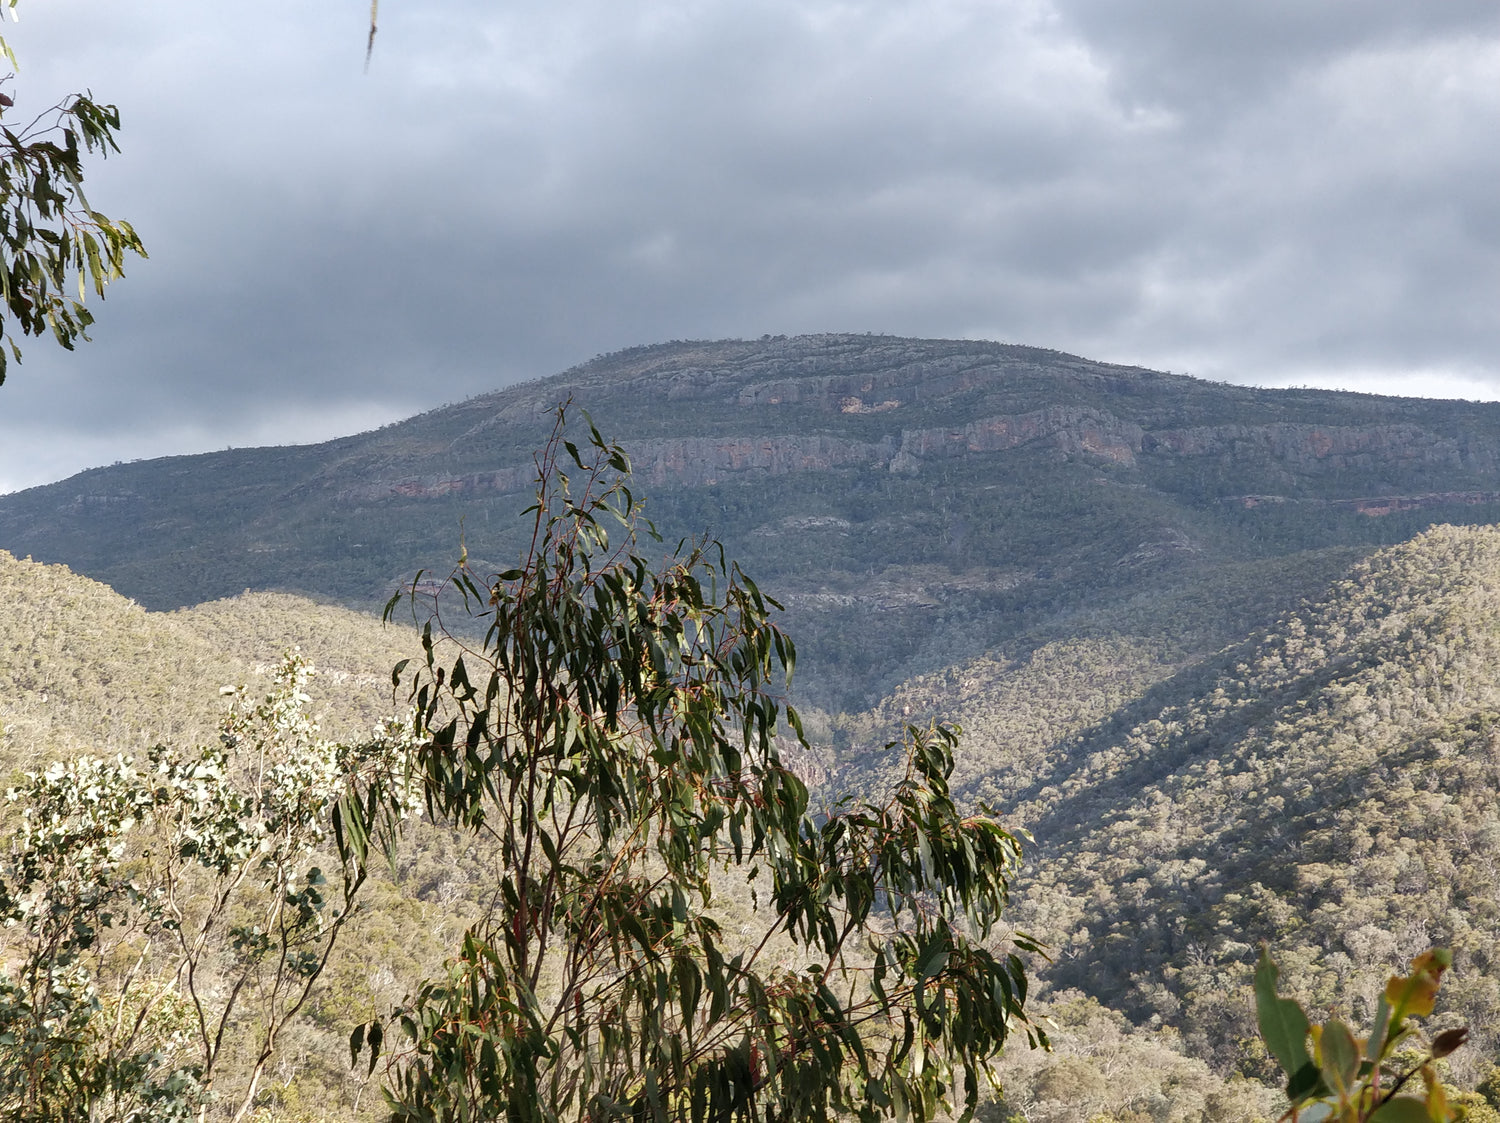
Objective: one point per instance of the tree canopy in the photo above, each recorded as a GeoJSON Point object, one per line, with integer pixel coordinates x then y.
{"type": "Point", "coordinates": [621, 736]}
{"type": "Point", "coordinates": [167, 919]}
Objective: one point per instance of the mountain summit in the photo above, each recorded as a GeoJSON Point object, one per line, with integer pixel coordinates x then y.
{"type": "Point", "coordinates": [936, 498]}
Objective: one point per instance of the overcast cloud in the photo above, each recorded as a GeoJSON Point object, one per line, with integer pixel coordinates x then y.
{"type": "Point", "coordinates": [1264, 191]}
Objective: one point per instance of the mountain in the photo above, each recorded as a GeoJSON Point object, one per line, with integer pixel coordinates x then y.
{"type": "Point", "coordinates": [1205, 642]}
{"type": "Point", "coordinates": [939, 498]}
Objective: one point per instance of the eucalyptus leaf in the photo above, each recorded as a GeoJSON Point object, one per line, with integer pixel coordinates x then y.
{"type": "Point", "coordinates": [1283, 1025]}
{"type": "Point", "coordinates": [1401, 1109]}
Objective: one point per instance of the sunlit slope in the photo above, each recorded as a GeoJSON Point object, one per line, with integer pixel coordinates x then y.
{"type": "Point", "coordinates": [84, 668]}
{"type": "Point", "coordinates": [352, 651]}
{"type": "Point", "coordinates": [1022, 705]}
{"type": "Point", "coordinates": [1334, 788]}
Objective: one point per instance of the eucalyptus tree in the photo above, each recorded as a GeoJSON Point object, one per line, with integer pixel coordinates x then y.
{"type": "Point", "coordinates": [621, 735]}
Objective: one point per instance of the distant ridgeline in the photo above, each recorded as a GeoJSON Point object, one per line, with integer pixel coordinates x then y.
{"type": "Point", "coordinates": [913, 502]}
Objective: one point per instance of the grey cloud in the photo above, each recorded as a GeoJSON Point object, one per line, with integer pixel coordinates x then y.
{"type": "Point", "coordinates": [1217, 58]}
{"type": "Point", "coordinates": [1275, 188]}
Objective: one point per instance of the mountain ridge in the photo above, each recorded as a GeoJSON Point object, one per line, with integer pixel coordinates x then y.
{"type": "Point", "coordinates": [903, 488]}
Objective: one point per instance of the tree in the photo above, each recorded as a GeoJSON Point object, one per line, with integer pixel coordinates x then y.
{"type": "Point", "coordinates": [167, 916]}
{"type": "Point", "coordinates": [51, 239]}
{"type": "Point", "coordinates": [618, 734]}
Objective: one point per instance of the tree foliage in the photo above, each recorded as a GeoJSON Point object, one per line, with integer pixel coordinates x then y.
{"type": "Point", "coordinates": [167, 915]}
{"type": "Point", "coordinates": [1327, 786]}
{"type": "Point", "coordinates": [619, 734]}
{"type": "Point", "coordinates": [53, 243]}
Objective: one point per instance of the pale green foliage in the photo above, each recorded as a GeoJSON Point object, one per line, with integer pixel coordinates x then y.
{"type": "Point", "coordinates": [51, 240]}
{"type": "Point", "coordinates": [616, 736]}
{"type": "Point", "coordinates": [166, 913]}
{"type": "Point", "coordinates": [67, 1050]}
{"type": "Point", "coordinates": [85, 671]}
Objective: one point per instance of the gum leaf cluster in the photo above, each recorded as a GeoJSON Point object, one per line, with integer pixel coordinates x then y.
{"type": "Point", "coordinates": [1371, 1079]}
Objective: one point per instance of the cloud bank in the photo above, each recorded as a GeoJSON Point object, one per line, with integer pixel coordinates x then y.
{"type": "Point", "coordinates": [1263, 191]}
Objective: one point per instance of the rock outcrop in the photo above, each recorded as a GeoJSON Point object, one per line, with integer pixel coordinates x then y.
{"type": "Point", "coordinates": [1325, 447]}
{"type": "Point", "coordinates": [1069, 429]}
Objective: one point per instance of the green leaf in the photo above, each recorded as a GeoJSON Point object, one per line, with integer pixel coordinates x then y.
{"type": "Point", "coordinates": [1375, 1047]}
{"type": "Point", "coordinates": [934, 963]}
{"type": "Point", "coordinates": [1283, 1025]}
{"type": "Point", "coordinates": [1340, 1057]}
{"type": "Point", "coordinates": [1306, 1082]}
{"type": "Point", "coordinates": [1401, 1109]}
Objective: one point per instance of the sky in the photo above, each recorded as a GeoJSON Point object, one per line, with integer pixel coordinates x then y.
{"type": "Point", "coordinates": [1270, 192]}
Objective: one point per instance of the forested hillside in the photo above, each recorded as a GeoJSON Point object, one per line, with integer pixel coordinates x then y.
{"type": "Point", "coordinates": [1329, 786]}
{"type": "Point", "coordinates": [84, 671]}
{"type": "Point", "coordinates": [82, 667]}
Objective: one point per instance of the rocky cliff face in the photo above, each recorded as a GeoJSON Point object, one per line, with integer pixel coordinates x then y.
{"type": "Point", "coordinates": [1070, 430]}
{"type": "Point", "coordinates": [701, 461]}
{"type": "Point", "coordinates": [1065, 431]}
{"type": "Point", "coordinates": [696, 461]}
{"type": "Point", "coordinates": [700, 414]}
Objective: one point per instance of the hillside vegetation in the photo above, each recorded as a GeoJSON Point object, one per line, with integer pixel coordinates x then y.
{"type": "Point", "coordinates": [84, 671]}
{"type": "Point", "coordinates": [1328, 786]}
{"type": "Point", "coordinates": [82, 667]}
